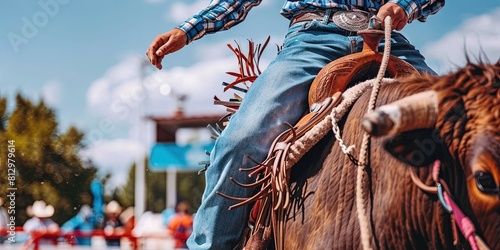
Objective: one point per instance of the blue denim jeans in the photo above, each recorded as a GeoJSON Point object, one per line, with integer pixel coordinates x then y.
{"type": "Point", "coordinates": [279, 95]}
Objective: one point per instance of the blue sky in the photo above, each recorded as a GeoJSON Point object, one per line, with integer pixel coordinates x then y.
{"type": "Point", "coordinates": [84, 59]}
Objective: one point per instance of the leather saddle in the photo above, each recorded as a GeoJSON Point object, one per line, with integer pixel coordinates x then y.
{"type": "Point", "coordinates": [267, 215]}
{"type": "Point", "coordinates": [357, 67]}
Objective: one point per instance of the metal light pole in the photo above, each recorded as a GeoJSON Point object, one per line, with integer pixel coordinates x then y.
{"type": "Point", "coordinates": [171, 187]}
{"type": "Point", "coordinates": [140, 168]}
{"type": "Point", "coordinates": [171, 184]}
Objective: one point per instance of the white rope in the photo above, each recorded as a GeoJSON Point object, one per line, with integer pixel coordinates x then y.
{"type": "Point", "coordinates": [480, 243]}
{"type": "Point", "coordinates": [349, 97]}
{"type": "Point", "coordinates": [364, 222]}
{"type": "Point", "coordinates": [310, 138]}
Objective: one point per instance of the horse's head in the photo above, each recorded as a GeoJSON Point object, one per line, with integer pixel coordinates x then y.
{"type": "Point", "coordinates": [462, 110]}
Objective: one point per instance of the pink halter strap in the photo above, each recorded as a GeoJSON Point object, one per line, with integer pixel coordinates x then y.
{"type": "Point", "coordinates": [463, 222]}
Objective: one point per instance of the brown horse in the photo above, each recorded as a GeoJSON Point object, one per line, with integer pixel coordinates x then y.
{"type": "Point", "coordinates": [462, 132]}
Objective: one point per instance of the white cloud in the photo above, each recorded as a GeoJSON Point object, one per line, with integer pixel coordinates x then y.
{"type": "Point", "coordinates": [115, 95]}
{"type": "Point", "coordinates": [200, 82]}
{"type": "Point", "coordinates": [476, 34]}
{"type": "Point", "coordinates": [51, 93]}
{"type": "Point", "coordinates": [180, 11]}
{"type": "Point", "coordinates": [115, 157]}
{"type": "Point", "coordinates": [119, 94]}
{"type": "Point", "coordinates": [101, 152]}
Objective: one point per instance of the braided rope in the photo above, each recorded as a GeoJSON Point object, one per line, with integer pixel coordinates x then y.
{"type": "Point", "coordinates": [364, 222]}
{"type": "Point", "coordinates": [303, 144]}
{"type": "Point", "coordinates": [310, 138]}
{"type": "Point", "coordinates": [349, 97]}
{"type": "Point", "coordinates": [306, 142]}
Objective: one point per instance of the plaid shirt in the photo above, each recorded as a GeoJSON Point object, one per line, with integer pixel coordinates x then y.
{"type": "Point", "coordinates": [223, 14]}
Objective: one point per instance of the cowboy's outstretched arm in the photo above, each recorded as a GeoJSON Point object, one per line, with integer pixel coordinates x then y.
{"type": "Point", "coordinates": [165, 43]}
{"type": "Point", "coordinates": [219, 15]}
{"type": "Point", "coordinates": [406, 11]}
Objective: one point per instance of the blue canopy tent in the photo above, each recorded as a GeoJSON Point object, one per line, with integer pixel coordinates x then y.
{"type": "Point", "coordinates": [165, 156]}
{"type": "Point", "coordinates": [172, 158]}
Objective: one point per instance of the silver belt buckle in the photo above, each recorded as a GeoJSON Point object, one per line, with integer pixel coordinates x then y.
{"type": "Point", "coordinates": [351, 20]}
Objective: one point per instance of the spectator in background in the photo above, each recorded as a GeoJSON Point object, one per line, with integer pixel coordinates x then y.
{"type": "Point", "coordinates": [128, 219]}
{"type": "Point", "coordinates": [3, 221]}
{"type": "Point", "coordinates": [151, 229]}
{"type": "Point", "coordinates": [84, 221]}
{"type": "Point", "coordinates": [181, 224]}
{"type": "Point", "coordinates": [167, 215]}
{"type": "Point", "coordinates": [113, 225]}
{"type": "Point", "coordinates": [41, 221]}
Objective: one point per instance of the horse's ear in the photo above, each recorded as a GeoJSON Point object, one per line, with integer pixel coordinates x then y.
{"type": "Point", "coordinates": [416, 148]}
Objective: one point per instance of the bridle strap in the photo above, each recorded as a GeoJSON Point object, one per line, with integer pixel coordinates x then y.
{"type": "Point", "coordinates": [462, 221]}
{"type": "Point", "coordinates": [420, 184]}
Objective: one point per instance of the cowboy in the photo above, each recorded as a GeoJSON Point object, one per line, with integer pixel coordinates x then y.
{"type": "Point", "coordinates": [320, 31]}
{"type": "Point", "coordinates": [41, 221]}
{"type": "Point", "coordinates": [4, 227]}
{"type": "Point", "coordinates": [113, 225]}
{"type": "Point", "coordinates": [180, 224]}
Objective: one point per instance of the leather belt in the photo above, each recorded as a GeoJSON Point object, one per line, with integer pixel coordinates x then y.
{"type": "Point", "coordinates": [309, 16]}
{"type": "Point", "coordinates": [351, 20]}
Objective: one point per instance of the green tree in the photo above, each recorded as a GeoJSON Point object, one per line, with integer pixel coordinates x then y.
{"type": "Point", "coordinates": [155, 190]}
{"type": "Point", "coordinates": [190, 187]}
{"type": "Point", "coordinates": [46, 161]}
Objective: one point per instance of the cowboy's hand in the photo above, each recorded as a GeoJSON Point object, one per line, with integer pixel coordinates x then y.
{"type": "Point", "coordinates": [397, 14]}
{"type": "Point", "coordinates": [165, 44]}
